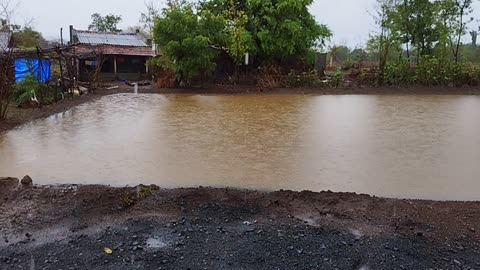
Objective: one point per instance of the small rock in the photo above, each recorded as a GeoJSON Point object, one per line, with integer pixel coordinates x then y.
{"type": "Point", "coordinates": [27, 181]}
{"type": "Point", "coordinates": [457, 262]}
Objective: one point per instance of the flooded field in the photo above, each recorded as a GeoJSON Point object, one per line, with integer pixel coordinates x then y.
{"type": "Point", "coordinates": [425, 147]}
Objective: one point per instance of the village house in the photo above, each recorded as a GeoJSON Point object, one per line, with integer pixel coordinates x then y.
{"type": "Point", "coordinates": [120, 56]}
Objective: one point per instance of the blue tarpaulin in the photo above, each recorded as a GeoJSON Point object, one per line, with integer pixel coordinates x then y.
{"type": "Point", "coordinates": [40, 68]}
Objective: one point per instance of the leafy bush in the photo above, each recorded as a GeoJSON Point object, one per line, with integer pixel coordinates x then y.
{"type": "Point", "coordinates": [338, 79]}
{"type": "Point", "coordinates": [30, 89]}
{"type": "Point", "coordinates": [431, 71]}
{"type": "Point", "coordinates": [25, 90]}
{"type": "Point", "coordinates": [398, 73]}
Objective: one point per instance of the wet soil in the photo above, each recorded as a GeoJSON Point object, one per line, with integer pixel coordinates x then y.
{"type": "Point", "coordinates": [19, 116]}
{"type": "Point", "coordinates": [69, 227]}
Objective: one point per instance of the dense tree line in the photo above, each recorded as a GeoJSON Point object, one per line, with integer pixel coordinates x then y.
{"type": "Point", "coordinates": [191, 36]}
{"type": "Point", "coordinates": [420, 41]}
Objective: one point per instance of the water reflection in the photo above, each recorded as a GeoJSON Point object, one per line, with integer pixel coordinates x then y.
{"type": "Point", "coordinates": [396, 146]}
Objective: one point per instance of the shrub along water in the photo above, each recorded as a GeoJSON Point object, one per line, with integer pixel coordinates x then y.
{"type": "Point", "coordinates": [30, 90]}
{"type": "Point", "coordinates": [431, 72]}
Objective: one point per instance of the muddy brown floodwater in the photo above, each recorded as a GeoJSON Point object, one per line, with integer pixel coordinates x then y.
{"type": "Point", "coordinates": [423, 147]}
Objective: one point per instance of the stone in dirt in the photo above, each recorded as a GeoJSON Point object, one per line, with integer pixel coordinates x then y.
{"type": "Point", "coordinates": [27, 181]}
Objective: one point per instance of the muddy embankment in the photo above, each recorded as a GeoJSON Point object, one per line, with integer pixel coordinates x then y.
{"type": "Point", "coordinates": [100, 227]}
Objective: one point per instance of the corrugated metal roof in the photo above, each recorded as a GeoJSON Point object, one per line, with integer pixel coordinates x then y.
{"type": "Point", "coordinates": [4, 40]}
{"type": "Point", "coordinates": [114, 50]}
{"type": "Point", "coordinates": [119, 39]}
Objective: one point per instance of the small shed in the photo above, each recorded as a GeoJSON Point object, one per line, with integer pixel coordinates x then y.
{"type": "Point", "coordinates": [40, 68]}
{"type": "Point", "coordinates": [120, 56]}
{"type": "Point", "coordinates": [21, 63]}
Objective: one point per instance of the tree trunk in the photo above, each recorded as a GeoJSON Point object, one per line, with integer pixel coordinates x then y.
{"type": "Point", "coordinates": [459, 40]}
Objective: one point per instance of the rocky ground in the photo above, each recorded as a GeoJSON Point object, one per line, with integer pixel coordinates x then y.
{"type": "Point", "coordinates": [100, 227]}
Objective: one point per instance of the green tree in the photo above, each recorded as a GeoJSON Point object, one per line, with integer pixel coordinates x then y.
{"type": "Point", "coordinates": [185, 49]}
{"type": "Point", "coordinates": [28, 38]}
{"type": "Point", "coordinates": [358, 55]}
{"type": "Point", "coordinates": [271, 31]}
{"type": "Point", "coordinates": [458, 23]}
{"type": "Point", "coordinates": [274, 30]}
{"type": "Point", "coordinates": [108, 23]}
{"type": "Point", "coordinates": [286, 28]}
{"type": "Point", "coordinates": [431, 31]}
{"type": "Point", "coordinates": [420, 30]}
{"type": "Point", "coordinates": [239, 40]}
{"type": "Point", "coordinates": [340, 53]}
{"type": "Point", "coordinates": [382, 43]}
{"type": "Point", "coordinates": [427, 28]}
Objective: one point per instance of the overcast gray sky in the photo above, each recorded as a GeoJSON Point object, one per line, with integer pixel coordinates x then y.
{"type": "Point", "coordinates": [350, 20]}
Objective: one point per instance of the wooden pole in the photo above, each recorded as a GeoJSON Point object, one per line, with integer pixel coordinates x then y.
{"type": "Point", "coordinates": [146, 65]}
{"type": "Point", "coordinates": [115, 66]}
{"type": "Point", "coordinates": [61, 36]}
{"type": "Point", "coordinates": [77, 64]}
{"type": "Point", "coordinates": [62, 83]}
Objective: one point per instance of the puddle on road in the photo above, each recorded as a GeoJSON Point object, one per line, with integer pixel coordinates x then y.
{"type": "Point", "coordinates": [156, 243]}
